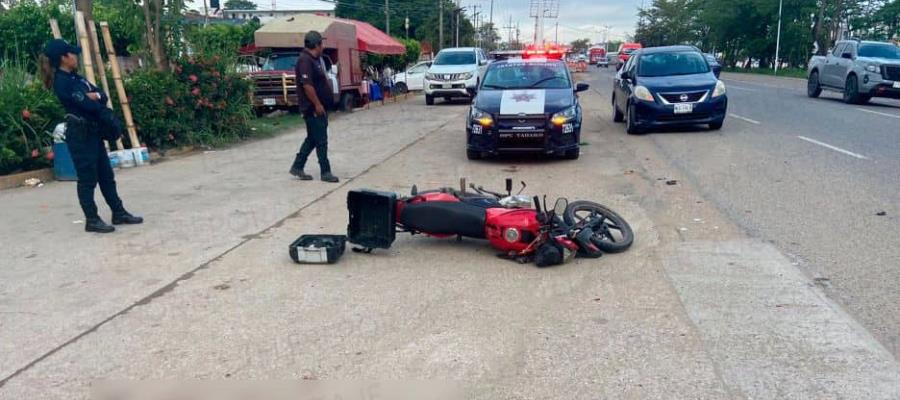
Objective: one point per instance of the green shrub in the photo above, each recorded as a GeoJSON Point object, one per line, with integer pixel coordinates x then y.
{"type": "Point", "coordinates": [197, 103]}
{"type": "Point", "coordinates": [28, 114]}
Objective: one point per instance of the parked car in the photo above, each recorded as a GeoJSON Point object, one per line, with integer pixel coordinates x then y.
{"type": "Point", "coordinates": [666, 86]}
{"type": "Point", "coordinates": [602, 62]}
{"type": "Point", "coordinates": [455, 72]}
{"type": "Point", "coordinates": [526, 106]}
{"type": "Point", "coordinates": [411, 79]}
{"type": "Point", "coordinates": [858, 69]}
{"type": "Point", "coordinates": [714, 64]}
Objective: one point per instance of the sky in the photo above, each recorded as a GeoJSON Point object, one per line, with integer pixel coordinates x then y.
{"type": "Point", "coordinates": [577, 18]}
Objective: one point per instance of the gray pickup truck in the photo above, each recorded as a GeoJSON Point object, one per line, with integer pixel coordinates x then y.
{"type": "Point", "coordinates": [858, 69]}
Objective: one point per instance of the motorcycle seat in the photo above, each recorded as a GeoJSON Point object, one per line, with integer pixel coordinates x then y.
{"type": "Point", "coordinates": [445, 218]}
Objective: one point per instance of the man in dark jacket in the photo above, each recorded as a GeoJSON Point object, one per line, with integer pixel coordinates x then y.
{"type": "Point", "coordinates": [314, 92]}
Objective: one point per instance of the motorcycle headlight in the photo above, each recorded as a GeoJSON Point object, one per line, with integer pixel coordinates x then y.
{"type": "Point", "coordinates": [643, 93]}
{"type": "Point", "coordinates": [719, 90]}
{"type": "Point", "coordinates": [563, 116]}
{"type": "Point", "coordinates": [871, 68]}
{"type": "Point", "coordinates": [465, 76]}
{"type": "Point", "coordinates": [430, 76]}
{"type": "Point", "coordinates": [480, 117]}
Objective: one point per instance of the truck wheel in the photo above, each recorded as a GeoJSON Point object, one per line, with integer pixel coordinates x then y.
{"type": "Point", "coordinates": [813, 87]}
{"type": "Point", "coordinates": [429, 100]}
{"type": "Point", "coordinates": [851, 90]}
{"type": "Point", "coordinates": [348, 100]}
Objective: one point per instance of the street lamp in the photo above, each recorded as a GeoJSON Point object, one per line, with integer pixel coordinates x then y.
{"type": "Point", "coordinates": [778, 37]}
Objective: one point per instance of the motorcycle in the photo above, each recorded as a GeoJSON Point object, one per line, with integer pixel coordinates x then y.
{"type": "Point", "coordinates": [522, 228]}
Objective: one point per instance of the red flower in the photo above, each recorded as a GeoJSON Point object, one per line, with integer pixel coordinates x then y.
{"type": "Point", "coordinates": [50, 156]}
{"type": "Point", "coordinates": [26, 114]}
{"type": "Point", "coordinates": [193, 78]}
{"type": "Point", "coordinates": [195, 91]}
{"type": "Point", "coordinates": [35, 153]}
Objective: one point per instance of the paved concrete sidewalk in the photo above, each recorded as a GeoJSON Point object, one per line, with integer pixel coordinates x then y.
{"type": "Point", "coordinates": [669, 319]}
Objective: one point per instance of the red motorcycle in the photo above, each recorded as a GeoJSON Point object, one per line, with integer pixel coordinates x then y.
{"type": "Point", "coordinates": [522, 228]}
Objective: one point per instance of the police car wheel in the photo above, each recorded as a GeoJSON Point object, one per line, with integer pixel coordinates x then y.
{"type": "Point", "coordinates": [429, 100]}
{"type": "Point", "coordinates": [473, 155]}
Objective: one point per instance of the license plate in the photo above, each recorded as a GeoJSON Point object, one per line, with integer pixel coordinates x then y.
{"type": "Point", "coordinates": [896, 85]}
{"type": "Point", "coordinates": [447, 86]}
{"type": "Point", "coordinates": [476, 129]}
{"type": "Point", "coordinates": [269, 102]}
{"type": "Point", "coordinates": [684, 108]}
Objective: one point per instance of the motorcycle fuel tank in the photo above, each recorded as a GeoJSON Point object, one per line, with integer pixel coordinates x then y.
{"type": "Point", "coordinates": [511, 229]}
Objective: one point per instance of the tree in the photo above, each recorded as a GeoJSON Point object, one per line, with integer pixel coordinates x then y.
{"type": "Point", "coordinates": [489, 37]}
{"type": "Point", "coordinates": [240, 5]}
{"type": "Point", "coordinates": [424, 16]}
{"type": "Point", "coordinates": [580, 45]}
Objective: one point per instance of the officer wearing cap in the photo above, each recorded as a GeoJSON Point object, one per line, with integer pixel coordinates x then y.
{"type": "Point", "coordinates": [86, 109]}
{"type": "Point", "coordinates": [315, 94]}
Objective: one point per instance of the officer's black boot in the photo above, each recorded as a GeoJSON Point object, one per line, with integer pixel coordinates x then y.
{"type": "Point", "coordinates": [97, 225]}
{"type": "Point", "coordinates": [125, 218]}
{"type": "Point", "coordinates": [328, 177]}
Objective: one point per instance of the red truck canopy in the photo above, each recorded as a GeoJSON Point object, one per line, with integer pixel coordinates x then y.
{"type": "Point", "coordinates": [372, 40]}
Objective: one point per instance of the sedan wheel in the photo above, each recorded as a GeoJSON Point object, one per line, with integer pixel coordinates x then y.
{"type": "Point", "coordinates": [630, 125]}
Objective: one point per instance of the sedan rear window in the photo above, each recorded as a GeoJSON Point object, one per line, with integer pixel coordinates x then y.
{"type": "Point", "coordinates": [880, 51]}
{"type": "Point", "coordinates": [455, 58]}
{"type": "Point", "coordinates": [666, 64]}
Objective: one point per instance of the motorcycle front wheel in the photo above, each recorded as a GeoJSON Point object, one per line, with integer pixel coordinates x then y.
{"type": "Point", "coordinates": [614, 235]}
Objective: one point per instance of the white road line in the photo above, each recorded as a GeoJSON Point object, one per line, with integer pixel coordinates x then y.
{"type": "Point", "coordinates": [879, 113]}
{"type": "Point", "coordinates": [745, 119]}
{"type": "Point", "coordinates": [835, 148]}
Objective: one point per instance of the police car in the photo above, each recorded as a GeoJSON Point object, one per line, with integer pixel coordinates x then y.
{"type": "Point", "coordinates": [526, 105]}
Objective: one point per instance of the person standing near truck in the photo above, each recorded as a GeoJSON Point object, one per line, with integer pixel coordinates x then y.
{"type": "Point", "coordinates": [315, 93]}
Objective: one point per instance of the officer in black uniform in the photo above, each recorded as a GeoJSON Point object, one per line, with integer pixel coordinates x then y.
{"type": "Point", "coordinates": [314, 93]}
{"type": "Point", "coordinates": [86, 109]}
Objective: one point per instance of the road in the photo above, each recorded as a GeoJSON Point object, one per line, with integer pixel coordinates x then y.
{"type": "Point", "coordinates": [810, 176]}
{"type": "Point", "coordinates": [700, 307]}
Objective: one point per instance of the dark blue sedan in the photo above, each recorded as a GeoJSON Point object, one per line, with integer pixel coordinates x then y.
{"type": "Point", "coordinates": [668, 86]}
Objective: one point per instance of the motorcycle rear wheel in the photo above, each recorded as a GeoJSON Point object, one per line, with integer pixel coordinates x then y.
{"type": "Point", "coordinates": [616, 235]}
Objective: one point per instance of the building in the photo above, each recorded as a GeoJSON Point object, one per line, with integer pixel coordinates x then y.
{"type": "Point", "coordinates": [318, 7]}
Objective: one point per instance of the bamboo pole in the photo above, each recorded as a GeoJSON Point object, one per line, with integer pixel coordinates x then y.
{"type": "Point", "coordinates": [101, 69]}
{"type": "Point", "coordinates": [86, 59]}
{"type": "Point", "coordinates": [54, 27]}
{"type": "Point", "coordinates": [120, 87]}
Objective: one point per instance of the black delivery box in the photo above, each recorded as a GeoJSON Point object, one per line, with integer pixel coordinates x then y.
{"type": "Point", "coordinates": [372, 218]}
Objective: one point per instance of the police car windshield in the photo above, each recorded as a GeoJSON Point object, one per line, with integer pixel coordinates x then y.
{"type": "Point", "coordinates": [880, 51]}
{"type": "Point", "coordinates": [455, 58]}
{"type": "Point", "coordinates": [521, 75]}
{"type": "Point", "coordinates": [280, 62]}
{"type": "Point", "coordinates": [675, 63]}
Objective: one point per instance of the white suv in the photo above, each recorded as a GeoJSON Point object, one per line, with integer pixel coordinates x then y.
{"type": "Point", "coordinates": [455, 72]}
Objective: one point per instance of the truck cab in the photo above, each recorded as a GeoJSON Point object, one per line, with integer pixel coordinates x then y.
{"type": "Point", "coordinates": [275, 82]}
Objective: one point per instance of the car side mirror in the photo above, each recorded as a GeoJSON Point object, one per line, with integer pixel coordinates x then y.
{"type": "Point", "coordinates": [847, 55]}
{"type": "Point", "coordinates": [581, 86]}
{"type": "Point", "coordinates": [618, 66]}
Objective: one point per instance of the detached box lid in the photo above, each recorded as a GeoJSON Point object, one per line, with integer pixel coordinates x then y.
{"type": "Point", "coordinates": [372, 218]}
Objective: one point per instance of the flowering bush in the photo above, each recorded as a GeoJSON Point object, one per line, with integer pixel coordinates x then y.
{"type": "Point", "coordinates": [197, 103]}
{"type": "Point", "coordinates": [28, 113]}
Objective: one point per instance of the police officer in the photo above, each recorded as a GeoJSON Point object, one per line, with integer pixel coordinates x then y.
{"type": "Point", "coordinates": [315, 94]}
{"type": "Point", "coordinates": [85, 106]}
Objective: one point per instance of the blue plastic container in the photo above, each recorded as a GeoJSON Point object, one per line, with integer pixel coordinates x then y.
{"type": "Point", "coordinates": [63, 167]}
{"type": "Point", "coordinates": [375, 92]}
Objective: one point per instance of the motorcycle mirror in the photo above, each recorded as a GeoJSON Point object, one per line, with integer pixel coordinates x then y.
{"type": "Point", "coordinates": [560, 207]}
{"type": "Point", "coordinates": [522, 189]}
{"type": "Point", "coordinates": [537, 205]}
{"type": "Point", "coordinates": [508, 186]}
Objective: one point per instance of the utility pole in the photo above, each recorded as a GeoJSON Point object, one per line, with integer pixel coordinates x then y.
{"type": "Point", "coordinates": [387, 17]}
{"type": "Point", "coordinates": [557, 32]}
{"type": "Point", "coordinates": [778, 37]}
{"type": "Point", "coordinates": [458, 11]}
{"type": "Point", "coordinates": [441, 25]}
{"type": "Point", "coordinates": [406, 25]}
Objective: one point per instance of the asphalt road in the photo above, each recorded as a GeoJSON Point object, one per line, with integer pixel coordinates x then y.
{"type": "Point", "coordinates": [810, 176]}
